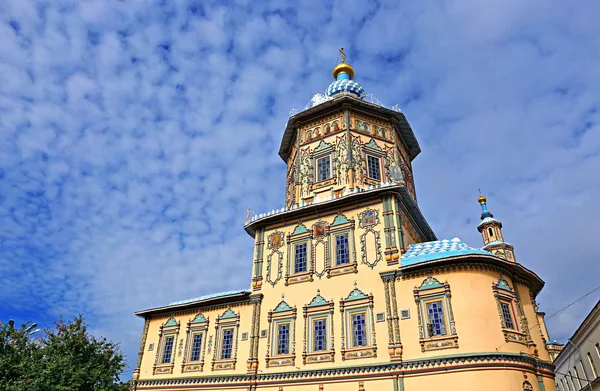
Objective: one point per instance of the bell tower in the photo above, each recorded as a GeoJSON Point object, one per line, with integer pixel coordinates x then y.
{"type": "Point", "coordinates": [491, 231]}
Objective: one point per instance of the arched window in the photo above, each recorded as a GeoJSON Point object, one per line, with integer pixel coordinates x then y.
{"type": "Point", "coordinates": [336, 126]}
{"type": "Point", "coordinates": [327, 129]}
{"type": "Point", "coordinates": [491, 232]}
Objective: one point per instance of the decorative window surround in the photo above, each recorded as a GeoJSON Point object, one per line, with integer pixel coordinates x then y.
{"type": "Point", "coordinates": [228, 321]}
{"type": "Point", "coordinates": [282, 314]}
{"type": "Point", "coordinates": [431, 291]}
{"type": "Point", "coordinates": [504, 294]}
{"type": "Point", "coordinates": [320, 234]}
{"type": "Point", "coordinates": [373, 150]}
{"type": "Point", "coordinates": [341, 225]}
{"type": "Point", "coordinates": [357, 303]}
{"type": "Point", "coordinates": [197, 325]}
{"type": "Point", "coordinates": [318, 309]}
{"type": "Point", "coordinates": [323, 150]}
{"type": "Point", "coordinates": [170, 329]}
{"type": "Point", "coordinates": [300, 235]}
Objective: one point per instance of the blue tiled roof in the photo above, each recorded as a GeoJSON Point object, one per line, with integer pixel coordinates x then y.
{"type": "Point", "coordinates": [429, 251]}
{"type": "Point", "coordinates": [208, 297]}
{"type": "Point", "coordinates": [345, 86]}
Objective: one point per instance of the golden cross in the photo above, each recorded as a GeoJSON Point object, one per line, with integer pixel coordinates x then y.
{"type": "Point", "coordinates": [343, 55]}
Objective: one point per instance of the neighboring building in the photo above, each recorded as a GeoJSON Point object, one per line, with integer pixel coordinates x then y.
{"type": "Point", "coordinates": [578, 364]}
{"type": "Point", "coordinates": [351, 290]}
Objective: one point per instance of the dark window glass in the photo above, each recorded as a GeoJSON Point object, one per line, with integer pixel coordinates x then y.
{"type": "Point", "coordinates": [342, 255]}
{"type": "Point", "coordinates": [507, 315]}
{"type": "Point", "coordinates": [323, 169]}
{"type": "Point", "coordinates": [300, 258]}
{"type": "Point", "coordinates": [435, 314]}
{"type": "Point", "coordinates": [196, 345]}
{"type": "Point", "coordinates": [359, 331]}
{"type": "Point", "coordinates": [319, 335]}
{"type": "Point", "coordinates": [373, 168]}
{"type": "Point", "coordinates": [167, 350]}
{"type": "Point", "coordinates": [283, 339]}
{"type": "Point", "coordinates": [227, 344]}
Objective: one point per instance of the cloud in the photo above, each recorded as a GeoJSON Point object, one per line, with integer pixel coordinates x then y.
{"type": "Point", "coordinates": [135, 135]}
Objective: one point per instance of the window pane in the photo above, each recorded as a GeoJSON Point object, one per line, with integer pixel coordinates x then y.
{"type": "Point", "coordinates": [167, 350]}
{"type": "Point", "coordinates": [342, 254]}
{"type": "Point", "coordinates": [435, 315]}
{"type": "Point", "coordinates": [300, 258]}
{"type": "Point", "coordinates": [283, 339]}
{"type": "Point", "coordinates": [227, 344]}
{"type": "Point", "coordinates": [507, 315]}
{"type": "Point", "coordinates": [323, 169]}
{"type": "Point", "coordinates": [373, 167]}
{"type": "Point", "coordinates": [320, 329]}
{"type": "Point", "coordinates": [359, 331]}
{"type": "Point", "coordinates": [196, 344]}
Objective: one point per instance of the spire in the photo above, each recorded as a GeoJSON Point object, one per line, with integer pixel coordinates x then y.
{"type": "Point", "coordinates": [343, 70]}
{"type": "Point", "coordinates": [484, 210]}
{"type": "Point", "coordinates": [491, 231]}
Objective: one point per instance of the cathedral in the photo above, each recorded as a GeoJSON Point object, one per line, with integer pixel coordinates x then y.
{"type": "Point", "coordinates": [351, 289]}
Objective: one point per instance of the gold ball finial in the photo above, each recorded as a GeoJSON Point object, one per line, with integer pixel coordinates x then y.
{"type": "Point", "coordinates": [343, 67]}
{"type": "Point", "coordinates": [482, 200]}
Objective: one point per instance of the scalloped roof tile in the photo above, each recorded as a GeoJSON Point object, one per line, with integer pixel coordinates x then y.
{"type": "Point", "coordinates": [429, 251]}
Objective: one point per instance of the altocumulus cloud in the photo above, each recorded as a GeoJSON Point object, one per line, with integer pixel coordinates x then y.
{"type": "Point", "coordinates": [135, 134]}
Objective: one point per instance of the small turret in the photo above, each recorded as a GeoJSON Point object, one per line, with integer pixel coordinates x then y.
{"type": "Point", "coordinates": [491, 231]}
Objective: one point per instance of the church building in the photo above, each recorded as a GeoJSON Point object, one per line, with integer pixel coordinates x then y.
{"type": "Point", "coordinates": [351, 289]}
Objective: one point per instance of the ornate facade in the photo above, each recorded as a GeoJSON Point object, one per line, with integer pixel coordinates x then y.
{"type": "Point", "coordinates": [351, 289]}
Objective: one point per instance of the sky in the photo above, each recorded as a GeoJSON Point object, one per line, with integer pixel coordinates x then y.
{"type": "Point", "coordinates": [135, 134]}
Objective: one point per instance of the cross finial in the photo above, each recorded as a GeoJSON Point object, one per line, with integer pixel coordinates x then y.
{"type": "Point", "coordinates": [343, 55]}
{"type": "Point", "coordinates": [480, 191]}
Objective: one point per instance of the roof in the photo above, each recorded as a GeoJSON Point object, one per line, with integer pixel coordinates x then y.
{"type": "Point", "coordinates": [328, 204]}
{"type": "Point", "coordinates": [488, 220]}
{"type": "Point", "coordinates": [338, 100]}
{"type": "Point", "coordinates": [208, 297]}
{"type": "Point", "coordinates": [212, 298]}
{"type": "Point", "coordinates": [429, 251]}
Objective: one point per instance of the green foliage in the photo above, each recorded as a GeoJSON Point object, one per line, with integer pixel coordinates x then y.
{"type": "Point", "coordinates": [65, 359]}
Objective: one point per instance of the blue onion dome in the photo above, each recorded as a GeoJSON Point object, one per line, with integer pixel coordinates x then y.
{"type": "Point", "coordinates": [343, 74]}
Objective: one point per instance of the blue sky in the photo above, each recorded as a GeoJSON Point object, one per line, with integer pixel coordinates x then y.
{"type": "Point", "coordinates": [135, 134]}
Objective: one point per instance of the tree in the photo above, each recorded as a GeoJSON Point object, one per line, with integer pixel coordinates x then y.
{"type": "Point", "coordinates": [65, 359]}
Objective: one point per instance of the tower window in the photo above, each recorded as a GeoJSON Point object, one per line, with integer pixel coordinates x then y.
{"type": "Point", "coordinates": [227, 344]}
{"type": "Point", "coordinates": [323, 168]}
{"type": "Point", "coordinates": [491, 232]}
{"type": "Point", "coordinates": [435, 317]}
{"type": "Point", "coordinates": [300, 258]}
{"type": "Point", "coordinates": [592, 365]}
{"type": "Point", "coordinates": [283, 338]}
{"type": "Point", "coordinates": [342, 253]}
{"type": "Point", "coordinates": [196, 345]}
{"type": "Point", "coordinates": [359, 330]}
{"type": "Point", "coordinates": [373, 168]}
{"type": "Point", "coordinates": [507, 315]}
{"type": "Point", "coordinates": [319, 334]}
{"type": "Point", "coordinates": [167, 350]}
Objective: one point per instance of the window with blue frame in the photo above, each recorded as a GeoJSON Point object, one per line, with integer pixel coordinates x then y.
{"type": "Point", "coordinates": [507, 315]}
{"type": "Point", "coordinates": [323, 169]}
{"type": "Point", "coordinates": [167, 350]}
{"type": "Point", "coordinates": [373, 170]}
{"type": "Point", "coordinates": [320, 335]}
{"type": "Point", "coordinates": [227, 344]}
{"type": "Point", "coordinates": [283, 338]}
{"type": "Point", "coordinates": [300, 258]}
{"type": "Point", "coordinates": [435, 317]}
{"type": "Point", "coordinates": [342, 254]}
{"type": "Point", "coordinates": [359, 330]}
{"type": "Point", "coordinates": [196, 347]}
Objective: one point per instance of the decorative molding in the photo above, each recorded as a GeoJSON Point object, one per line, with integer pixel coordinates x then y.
{"type": "Point", "coordinates": [435, 365]}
